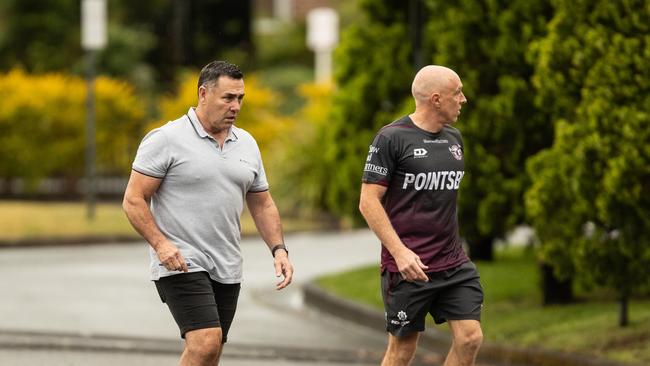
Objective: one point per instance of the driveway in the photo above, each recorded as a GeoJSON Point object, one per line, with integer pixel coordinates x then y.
{"type": "Point", "coordinates": [70, 304]}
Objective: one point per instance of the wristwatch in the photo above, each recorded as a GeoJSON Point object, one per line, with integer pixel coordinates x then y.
{"type": "Point", "coordinates": [279, 246]}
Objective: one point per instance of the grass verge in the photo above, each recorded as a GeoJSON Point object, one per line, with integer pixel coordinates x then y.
{"type": "Point", "coordinates": [28, 220]}
{"type": "Point", "coordinates": [512, 312]}
{"type": "Point", "coordinates": [34, 220]}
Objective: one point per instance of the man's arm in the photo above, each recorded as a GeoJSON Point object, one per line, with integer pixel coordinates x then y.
{"type": "Point", "coordinates": [136, 206]}
{"type": "Point", "coordinates": [267, 220]}
{"type": "Point", "coordinates": [408, 263]}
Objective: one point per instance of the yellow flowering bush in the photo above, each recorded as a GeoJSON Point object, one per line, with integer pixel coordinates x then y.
{"type": "Point", "coordinates": [42, 125]}
{"type": "Point", "coordinates": [307, 158]}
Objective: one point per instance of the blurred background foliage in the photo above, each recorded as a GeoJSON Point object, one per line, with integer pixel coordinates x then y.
{"type": "Point", "coordinates": [42, 124]}
{"type": "Point", "coordinates": [556, 128]}
{"type": "Point", "coordinates": [592, 74]}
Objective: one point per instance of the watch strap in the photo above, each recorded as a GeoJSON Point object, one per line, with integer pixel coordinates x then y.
{"type": "Point", "coordinates": [276, 247]}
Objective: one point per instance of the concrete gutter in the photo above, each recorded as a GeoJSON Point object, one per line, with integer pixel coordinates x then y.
{"type": "Point", "coordinates": [15, 339]}
{"type": "Point", "coordinates": [433, 339]}
{"type": "Point", "coordinates": [21, 340]}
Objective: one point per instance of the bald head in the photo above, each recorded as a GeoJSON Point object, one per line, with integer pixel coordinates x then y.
{"type": "Point", "coordinates": [432, 79]}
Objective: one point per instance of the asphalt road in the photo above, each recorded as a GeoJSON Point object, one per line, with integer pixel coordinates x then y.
{"type": "Point", "coordinates": [94, 304]}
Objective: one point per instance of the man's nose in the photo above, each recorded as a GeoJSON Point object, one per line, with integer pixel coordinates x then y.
{"type": "Point", "coordinates": [235, 106]}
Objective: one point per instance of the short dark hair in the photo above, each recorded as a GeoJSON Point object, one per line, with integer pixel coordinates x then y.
{"type": "Point", "coordinates": [212, 71]}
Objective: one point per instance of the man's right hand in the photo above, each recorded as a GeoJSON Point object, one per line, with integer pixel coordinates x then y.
{"type": "Point", "coordinates": [171, 257]}
{"type": "Point", "coordinates": [410, 266]}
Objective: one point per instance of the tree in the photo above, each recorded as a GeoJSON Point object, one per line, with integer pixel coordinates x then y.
{"type": "Point", "coordinates": [40, 36]}
{"type": "Point", "coordinates": [486, 42]}
{"type": "Point", "coordinates": [589, 201]}
{"type": "Point", "coordinates": [154, 38]}
{"type": "Point", "coordinates": [42, 119]}
{"type": "Point", "coordinates": [373, 74]}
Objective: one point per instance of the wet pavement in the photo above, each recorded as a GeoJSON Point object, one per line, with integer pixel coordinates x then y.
{"type": "Point", "coordinates": [94, 304]}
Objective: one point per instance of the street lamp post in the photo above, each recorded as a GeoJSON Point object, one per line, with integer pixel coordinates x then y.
{"type": "Point", "coordinates": [322, 37]}
{"type": "Point", "coordinates": [416, 21]}
{"type": "Point", "coordinates": [93, 39]}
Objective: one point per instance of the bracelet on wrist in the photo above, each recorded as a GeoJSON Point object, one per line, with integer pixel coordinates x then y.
{"type": "Point", "coordinates": [279, 246]}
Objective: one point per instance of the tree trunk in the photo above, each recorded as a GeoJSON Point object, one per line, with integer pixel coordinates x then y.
{"type": "Point", "coordinates": [554, 290]}
{"type": "Point", "coordinates": [623, 319]}
{"type": "Point", "coordinates": [481, 249]}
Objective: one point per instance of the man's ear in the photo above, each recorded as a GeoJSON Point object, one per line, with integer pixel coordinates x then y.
{"type": "Point", "coordinates": [202, 91]}
{"type": "Point", "coordinates": [435, 99]}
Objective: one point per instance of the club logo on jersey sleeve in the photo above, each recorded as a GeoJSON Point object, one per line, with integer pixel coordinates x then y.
{"type": "Point", "coordinates": [456, 152]}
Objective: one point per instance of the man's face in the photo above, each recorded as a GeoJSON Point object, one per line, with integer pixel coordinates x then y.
{"type": "Point", "coordinates": [221, 102]}
{"type": "Point", "coordinates": [452, 99]}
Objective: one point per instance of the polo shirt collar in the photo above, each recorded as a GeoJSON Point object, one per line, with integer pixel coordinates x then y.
{"type": "Point", "coordinates": [198, 127]}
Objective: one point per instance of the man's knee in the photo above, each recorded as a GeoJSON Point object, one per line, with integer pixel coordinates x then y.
{"type": "Point", "coordinates": [204, 344]}
{"type": "Point", "coordinates": [401, 350]}
{"type": "Point", "coordinates": [469, 339]}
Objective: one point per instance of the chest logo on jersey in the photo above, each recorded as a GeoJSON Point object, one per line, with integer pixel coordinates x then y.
{"type": "Point", "coordinates": [420, 153]}
{"type": "Point", "coordinates": [433, 181]}
{"type": "Point", "coordinates": [456, 152]}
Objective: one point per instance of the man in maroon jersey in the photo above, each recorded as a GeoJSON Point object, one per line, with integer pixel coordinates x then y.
{"type": "Point", "coordinates": [408, 198]}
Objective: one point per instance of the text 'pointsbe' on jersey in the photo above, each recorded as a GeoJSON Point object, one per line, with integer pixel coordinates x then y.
{"type": "Point", "coordinates": [441, 180]}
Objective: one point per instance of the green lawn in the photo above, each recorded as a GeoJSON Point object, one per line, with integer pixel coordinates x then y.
{"type": "Point", "coordinates": [32, 220]}
{"type": "Point", "coordinates": [512, 312]}
{"type": "Point", "coordinates": [21, 220]}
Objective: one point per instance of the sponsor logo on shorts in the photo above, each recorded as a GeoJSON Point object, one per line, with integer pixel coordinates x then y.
{"type": "Point", "coordinates": [401, 315]}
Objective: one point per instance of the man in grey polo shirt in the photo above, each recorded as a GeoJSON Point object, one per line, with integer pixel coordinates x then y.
{"type": "Point", "coordinates": [185, 197]}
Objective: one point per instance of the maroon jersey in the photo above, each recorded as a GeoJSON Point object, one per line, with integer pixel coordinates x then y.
{"type": "Point", "coordinates": [422, 172]}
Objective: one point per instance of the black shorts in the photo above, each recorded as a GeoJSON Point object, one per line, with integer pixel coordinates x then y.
{"type": "Point", "coordinates": [198, 302]}
{"type": "Point", "coordinates": [454, 294]}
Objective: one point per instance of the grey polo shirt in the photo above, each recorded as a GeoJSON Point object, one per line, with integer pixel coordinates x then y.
{"type": "Point", "coordinates": [201, 197]}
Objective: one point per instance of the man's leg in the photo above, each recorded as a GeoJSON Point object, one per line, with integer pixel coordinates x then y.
{"type": "Point", "coordinates": [401, 350]}
{"type": "Point", "coordinates": [467, 338]}
{"type": "Point", "coordinates": [202, 347]}
{"type": "Point", "coordinates": [193, 304]}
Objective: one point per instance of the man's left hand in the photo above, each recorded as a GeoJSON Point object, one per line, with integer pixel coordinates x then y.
{"type": "Point", "coordinates": [283, 267]}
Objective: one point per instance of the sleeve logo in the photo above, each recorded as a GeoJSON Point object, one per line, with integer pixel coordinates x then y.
{"type": "Point", "coordinates": [371, 151]}
{"type": "Point", "coordinates": [372, 168]}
